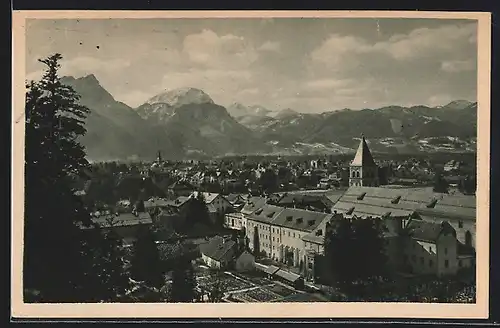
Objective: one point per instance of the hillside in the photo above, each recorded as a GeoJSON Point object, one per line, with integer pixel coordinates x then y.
{"type": "Point", "coordinates": [186, 122]}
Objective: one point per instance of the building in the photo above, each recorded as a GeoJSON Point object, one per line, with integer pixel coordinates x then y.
{"type": "Point", "coordinates": [180, 188]}
{"type": "Point", "coordinates": [403, 203]}
{"type": "Point", "coordinates": [215, 202]}
{"type": "Point", "coordinates": [218, 253]}
{"type": "Point", "coordinates": [428, 232]}
{"type": "Point", "coordinates": [363, 171]}
{"type": "Point", "coordinates": [287, 235]}
{"type": "Point", "coordinates": [432, 248]}
{"type": "Point", "coordinates": [125, 225]}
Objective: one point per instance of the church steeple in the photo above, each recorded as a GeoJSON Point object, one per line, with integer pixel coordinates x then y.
{"type": "Point", "coordinates": [158, 159]}
{"type": "Point", "coordinates": [363, 156]}
{"type": "Point", "coordinates": [363, 170]}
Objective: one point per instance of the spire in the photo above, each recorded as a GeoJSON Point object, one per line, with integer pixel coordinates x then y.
{"type": "Point", "coordinates": [363, 156]}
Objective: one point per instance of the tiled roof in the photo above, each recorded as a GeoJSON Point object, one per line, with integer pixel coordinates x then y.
{"type": "Point", "coordinates": [269, 269]}
{"type": "Point", "coordinates": [253, 204]}
{"type": "Point", "coordinates": [402, 202]}
{"type": "Point", "coordinates": [124, 219]}
{"type": "Point", "coordinates": [266, 214]}
{"type": "Point", "coordinates": [292, 277]}
{"type": "Point", "coordinates": [156, 202]}
{"type": "Point", "coordinates": [427, 231]}
{"type": "Point", "coordinates": [208, 196]}
{"type": "Point", "coordinates": [217, 248]}
{"type": "Point", "coordinates": [299, 219]}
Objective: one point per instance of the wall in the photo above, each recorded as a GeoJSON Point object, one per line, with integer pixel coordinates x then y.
{"type": "Point", "coordinates": [210, 262]}
{"type": "Point", "coordinates": [447, 251]}
{"type": "Point", "coordinates": [421, 256]}
{"type": "Point", "coordinates": [460, 226]}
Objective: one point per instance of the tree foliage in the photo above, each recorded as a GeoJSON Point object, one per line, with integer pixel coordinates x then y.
{"type": "Point", "coordinates": [183, 285]}
{"type": "Point", "coordinates": [355, 249]}
{"type": "Point", "coordinates": [54, 260]}
{"type": "Point", "coordinates": [146, 264]}
{"type": "Point", "coordinates": [62, 262]}
{"type": "Point", "coordinates": [440, 184]}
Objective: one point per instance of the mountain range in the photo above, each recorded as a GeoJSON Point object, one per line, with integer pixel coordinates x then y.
{"type": "Point", "coordinates": [186, 122]}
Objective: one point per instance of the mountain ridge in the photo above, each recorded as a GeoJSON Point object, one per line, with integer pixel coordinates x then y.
{"type": "Point", "coordinates": [187, 122]}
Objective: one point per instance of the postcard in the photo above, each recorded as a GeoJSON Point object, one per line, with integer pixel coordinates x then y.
{"type": "Point", "coordinates": [250, 164]}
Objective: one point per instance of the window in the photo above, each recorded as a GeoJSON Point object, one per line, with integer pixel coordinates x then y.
{"type": "Point", "coordinates": [360, 197]}
{"type": "Point", "coordinates": [430, 248]}
{"type": "Point", "coordinates": [460, 224]}
{"type": "Point", "coordinates": [273, 238]}
{"type": "Point", "coordinates": [445, 251]}
{"type": "Point", "coordinates": [468, 239]}
{"type": "Point", "coordinates": [288, 233]}
{"type": "Point", "coordinates": [446, 263]}
{"type": "Point", "coordinates": [294, 235]}
{"type": "Point", "coordinates": [232, 222]}
{"type": "Point", "coordinates": [432, 203]}
{"type": "Point", "coordinates": [396, 200]}
{"type": "Point", "coordinates": [430, 263]}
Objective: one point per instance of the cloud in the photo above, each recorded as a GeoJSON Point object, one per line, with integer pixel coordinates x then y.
{"type": "Point", "coordinates": [427, 41]}
{"type": "Point", "coordinates": [208, 49]}
{"type": "Point", "coordinates": [308, 65]}
{"type": "Point", "coordinates": [439, 100]}
{"type": "Point", "coordinates": [453, 66]}
{"type": "Point", "coordinates": [81, 66]}
{"type": "Point", "coordinates": [338, 50]}
{"type": "Point", "coordinates": [326, 84]}
{"type": "Point", "coordinates": [271, 46]}
{"type": "Point", "coordinates": [134, 98]}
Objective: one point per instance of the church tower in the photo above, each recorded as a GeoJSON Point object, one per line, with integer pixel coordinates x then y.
{"type": "Point", "coordinates": [159, 159]}
{"type": "Point", "coordinates": [363, 171]}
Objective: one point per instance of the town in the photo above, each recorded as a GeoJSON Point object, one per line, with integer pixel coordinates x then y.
{"type": "Point", "coordinates": [264, 229]}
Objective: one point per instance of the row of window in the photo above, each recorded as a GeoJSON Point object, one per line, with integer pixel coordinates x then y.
{"type": "Point", "coordinates": [275, 230]}
{"type": "Point", "coordinates": [431, 262]}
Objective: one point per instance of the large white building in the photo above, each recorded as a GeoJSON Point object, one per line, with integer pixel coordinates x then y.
{"type": "Point", "coordinates": [427, 232]}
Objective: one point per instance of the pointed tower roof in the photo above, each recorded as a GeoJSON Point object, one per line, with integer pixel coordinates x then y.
{"type": "Point", "coordinates": [363, 156]}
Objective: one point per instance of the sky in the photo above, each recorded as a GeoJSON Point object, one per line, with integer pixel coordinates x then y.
{"type": "Point", "coordinates": [309, 64]}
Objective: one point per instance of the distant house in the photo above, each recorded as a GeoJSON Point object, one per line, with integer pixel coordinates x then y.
{"type": "Point", "coordinates": [216, 203]}
{"type": "Point", "coordinates": [245, 262]}
{"type": "Point", "coordinates": [218, 253]}
{"type": "Point", "coordinates": [180, 188]}
{"type": "Point", "coordinates": [125, 225]}
{"type": "Point", "coordinates": [433, 249]}
{"type": "Point", "coordinates": [235, 199]}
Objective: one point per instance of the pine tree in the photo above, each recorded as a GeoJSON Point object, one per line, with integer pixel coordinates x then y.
{"type": "Point", "coordinates": [110, 280]}
{"type": "Point", "coordinates": [54, 261]}
{"type": "Point", "coordinates": [62, 262]}
{"type": "Point", "coordinates": [356, 251]}
{"type": "Point", "coordinates": [146, 264]}
{"type": "Point", "coordinates": [183, 283]}
{"type": "Point", "coordinates": [440, 184]}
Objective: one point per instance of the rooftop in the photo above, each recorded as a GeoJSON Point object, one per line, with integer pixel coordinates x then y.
{"type": "Point", "coordinates": [377, 201]}
{"type": "Point", "coordinates": [217, 248]}
{"type": "Point", "coordinates": [363, 155]}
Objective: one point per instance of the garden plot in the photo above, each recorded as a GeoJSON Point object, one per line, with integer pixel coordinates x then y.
{"type": "Point", "coordinates": [230, 283]}
{"type": "Point", "coordinates": [257, 295]}
{"type": "Point", "coordinates": [281, 290]}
